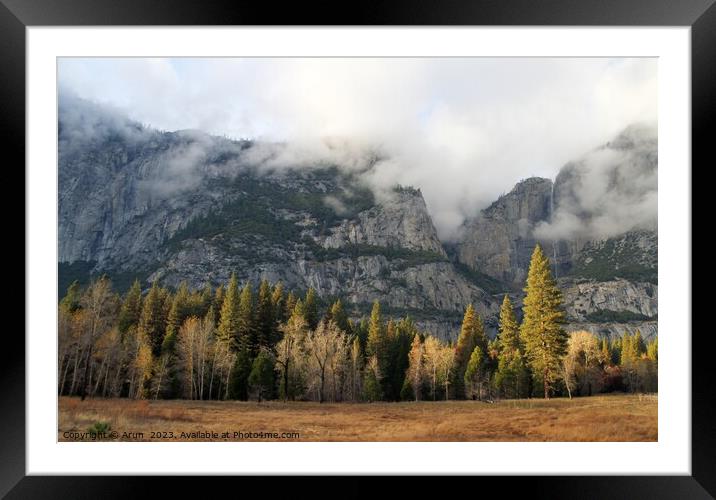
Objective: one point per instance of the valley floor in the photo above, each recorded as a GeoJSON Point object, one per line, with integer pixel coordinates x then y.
{"type": "Point", "coordinates": [616, 417]}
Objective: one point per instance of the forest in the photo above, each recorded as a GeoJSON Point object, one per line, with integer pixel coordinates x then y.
{"type": "Point", "coordinates": [263, 342]}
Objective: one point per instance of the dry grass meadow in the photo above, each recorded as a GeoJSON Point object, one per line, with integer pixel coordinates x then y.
{"type": "Point", "coordinates": [597, 418]}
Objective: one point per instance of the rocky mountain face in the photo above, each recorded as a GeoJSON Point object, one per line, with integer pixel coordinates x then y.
{"type": "Point", "coordinates": [186, 206]}
{"type": "Point", "coordinates": [594, 224]}
{"type": "Point", "coordinates": [500, 240]}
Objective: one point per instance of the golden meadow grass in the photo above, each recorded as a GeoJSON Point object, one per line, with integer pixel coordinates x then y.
{"type": "Point", "coordinates": [614, 417]}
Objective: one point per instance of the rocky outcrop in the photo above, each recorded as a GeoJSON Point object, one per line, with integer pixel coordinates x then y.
{"type": "Point", "coordinates": [401, 220]}
{"type": "Point", "coordinates": [499, 241]}
{"type": "Point", "coordinates": [602, 203]}
{"type": "Point", "coordinates": [629, 300]}
{"type": "Point", "coordinates": [614, 330]}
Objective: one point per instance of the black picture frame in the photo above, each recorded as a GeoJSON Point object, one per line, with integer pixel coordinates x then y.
{"type": "Point", "coordinates": [700, 15]}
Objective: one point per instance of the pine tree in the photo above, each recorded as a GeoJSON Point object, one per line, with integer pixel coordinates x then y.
{"type": "Point", "coordinates": [289, 305]}
{"type": "Point", "coordinates": [509, 328]}
{"type": "Point", "coordinates": [218, 301]}
{"type": "Point", "coordinates": [311, 308]}
{"type": "Point", "coordinates": [399, 338]}
{"type": "Point", "coordinates": [371, 385]}
{"type": "Point", "coordinates": [261, 378]}
{"type": "Point", "coordinates": [266, 331]}
{"type": "Point", "coordinates": [152, 320]}
{"type": "Point", "coordinates": [616, 349]}
{"type": "Point", "coordinates": [541, 331]}
{"type": "Point", "coordinates": [652, 350]}
{"type": "Point", "coordinates": [466, 343]}
{"type": "Point", "coordinates": [239, 383]}
{"type": "Point", "coordinates": [131, 307]}
{"type": "Point", "coordinates": [229, 316]}
{"type": "Point", "coordinates": [279, 303]}
{"type": "Point", "coordinates": [206, 300]}
{"type": "Point", "coordinates": [71, 301]}
{"type": "Point", "coordinates": [179, 311]}
{"type": "Point", "coordinates": [338, 314]}
{"type": "Point", "coordinates": [639, 346]}
{"type": "Point", "coordinates": [246, 330]}
{"type": "Point", "coordinates": [473, 378]}
{"type": "Point", "coordinates": [511, 376]}
{"type": "Point", "coordinates": [361, 331]}
{"type": "Point", "coordinates": [628, 354]}
{"type": "Point", "coordinates": [300, 310]}
{"type": "Point", "coordinates": [376, 332]}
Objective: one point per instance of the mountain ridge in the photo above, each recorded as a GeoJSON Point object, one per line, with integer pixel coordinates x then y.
{"type": "Point", "coordinates": [185, 206]}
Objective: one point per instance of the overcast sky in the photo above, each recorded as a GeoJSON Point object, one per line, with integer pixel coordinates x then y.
{"type": "Point", "coordinates": [464, 130]}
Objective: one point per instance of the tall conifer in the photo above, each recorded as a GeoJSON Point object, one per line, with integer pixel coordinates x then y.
{"type": "Point", "coordinates": [541, 331]}
{"type": "Point", "coordinates": [229, 316]}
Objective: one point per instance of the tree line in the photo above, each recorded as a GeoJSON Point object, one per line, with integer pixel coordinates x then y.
{"type": "Point", "coordinates": [233, 342]}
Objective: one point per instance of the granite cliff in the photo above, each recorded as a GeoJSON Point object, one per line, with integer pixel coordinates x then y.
{"type": "Point", "coordinates": [187, 206]}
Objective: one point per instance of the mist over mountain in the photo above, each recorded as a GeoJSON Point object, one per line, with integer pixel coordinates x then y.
{"type": "Point", "coordinates": [464, 130]}
{"type": "Point", "coordinates": [188, 206]}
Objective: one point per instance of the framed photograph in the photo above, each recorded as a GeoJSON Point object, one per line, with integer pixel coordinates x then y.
{"type": "Point", "coordinates": [426, 240]}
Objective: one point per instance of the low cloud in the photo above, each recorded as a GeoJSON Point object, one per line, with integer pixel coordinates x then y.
{"type": "Point", "coordinates": [463, 130]}
{"type": "Point", "coordinates": [608, 191]}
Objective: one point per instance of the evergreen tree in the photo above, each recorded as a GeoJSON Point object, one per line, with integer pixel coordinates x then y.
{"type": "Point", "coordinates": [218, 302]}
{"type": "Point", "coordinates": [652, 350]}
{"type": "Point", "coordinates": [509, 328]}
{"type": "Point", "coordinates": [371, 385]}
{"type": "Point", "coordinates": [152, 319]}
{"type": "Point", "coordinates": [361, 331]}
{"type": "Point", "coordinates": [239, 383]}
{"type": "Point", "coordinates": [246, 335]}
{"type": "Point", "coordinates": [279, 303]}
{"type": "Point", "coordinates": [399, 338]}
{"type": "Point", "coordinates": [639, 345]}
{"type": "Point", "coordinates": [261, 378]}
{"type": "Point", "coordinates": [289, 305]}
{"type": "Point", "coordinates": [616, 350]}
{"type": "Point", "coordinates": [338, 314]}
{"type": "Point", "coordinates": [71, 301]}
{"type": "Point", "coordinates": [628, 353]}
{"type": "Point", "coordinates": [229, 316]}
{"type": "Point", "coordinates": [266, 331]}
{"type": "Point", "coordinates": [179, 311]}
{"type": "Point", "coordinates": [299, 310]}
{"type": "Point", "coordinates": [541, 331]}
{"type": "Point", "coordinates": [511, 375]}
{"type": "Point", "coordinates": [405, 331]}
{"type": "Point", "coordinates": [311, 308]}
{"type": "Point", "coordinates": [131, 307]}
{"type": "Point", "coordinates": [474, 374]}
{"type": "Point", "coordinates": [206, 300]}
{"type": "Point", "coordinates": [466, 343]}
{"type": "Point", "coordinates": [407, 393]}
{"type": "Point", "coordinates": [376, 332]}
